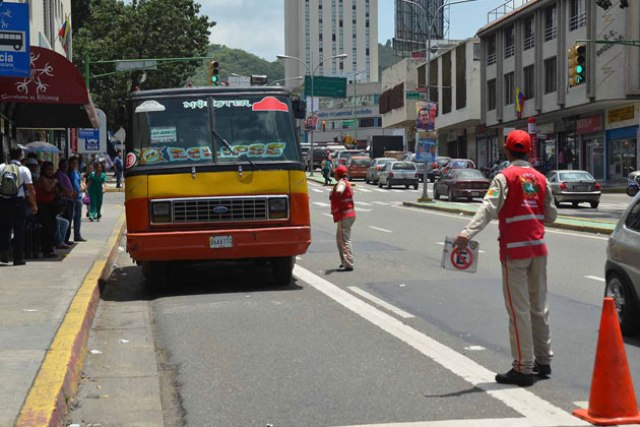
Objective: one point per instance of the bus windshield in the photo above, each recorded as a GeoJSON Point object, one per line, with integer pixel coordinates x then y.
{"type": "Point", "coordinates": [177, 131]}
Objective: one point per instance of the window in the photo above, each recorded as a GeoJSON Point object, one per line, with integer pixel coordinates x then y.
{"type": "Point", "coordinates": [550, 75]}
{"type": "Point", "coordinates": [529, 82]}
{"type": "Point", "coordinates": [577, 14]}
{"type": "Point", "coordinates": [550, 23]}
{"type": "Point", "coordinates": [476, 52]}
{"type": "Point", "coordinates": [320, 36]}
{"type": "Point", "coordinates": [529, 33]}
{"type": "Point", "coordinates": [333, 37]}
{"type": "Point", "coordinates": [340, 23]}
{"type": "Point", "coordinates": [633, 220]}
{"type": "Point", "coordinates": [446, 83]}
{"type": "Point", "coordinates": [461, 76]}
{"type": "Point", "coordinates": [491, 94]}
{"type": "Point", "coordinates": [509, 38]}
{"type": "Point", "coordinates": [367, 52]}
{"type": "Point", "coordinates": [509, 88]}
{"type": "Point", "coordinates": [491, 50]}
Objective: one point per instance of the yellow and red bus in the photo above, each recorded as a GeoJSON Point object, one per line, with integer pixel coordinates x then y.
{"type": "Point", "coordinates": [215, 174]}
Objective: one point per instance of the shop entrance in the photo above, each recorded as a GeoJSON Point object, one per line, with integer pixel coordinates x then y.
{"type": "Point", "coordinates": [622, 158]}
{"type": "Point", "coordinates": [595, 157]}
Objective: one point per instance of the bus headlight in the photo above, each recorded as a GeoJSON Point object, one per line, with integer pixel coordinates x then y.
{"type": "Point", "coordinates": [160, 212]}
{"type": "Point", "coordinates": [278, 208]}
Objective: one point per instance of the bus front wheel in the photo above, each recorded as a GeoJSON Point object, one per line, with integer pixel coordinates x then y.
{"type": "Point", "coordinates": [283, 270]}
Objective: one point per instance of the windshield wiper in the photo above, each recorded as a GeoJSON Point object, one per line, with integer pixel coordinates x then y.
{"type": "Point", "coordinates": [228, 145]}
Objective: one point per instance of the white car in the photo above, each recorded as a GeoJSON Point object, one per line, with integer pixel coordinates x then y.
{"type": "Point", "coordinates": [399, 173]}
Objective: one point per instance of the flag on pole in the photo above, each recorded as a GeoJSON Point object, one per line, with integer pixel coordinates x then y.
{"type": "Point", "coordinates": [65, 33]}
{"type": "Point", "coordinates": [520, 98]}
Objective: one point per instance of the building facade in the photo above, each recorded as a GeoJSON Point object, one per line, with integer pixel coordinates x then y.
{"type": "Point", "coordinates": [590, 125]}
{"type": "Point", "coordinates": [318, 29]}
{"type": "Point", "coordinates": [412, 27]}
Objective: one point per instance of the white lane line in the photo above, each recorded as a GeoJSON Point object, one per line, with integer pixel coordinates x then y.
{"type": "Point", "coordinates": [363, 190]}
{"type": "Point", "coordinates": [535, 409]}
{"type": "Point", "coordinates": [581, 403]}
{"type": "Point", "coordinates": [487, 422]}
{"type": "Point", "coordinates": [380, 190]}
{"type": "Point", "coordinates": [381, 303]}
{"type": "Point", "coordinates": [596, 278]}
{"type": "Point", "coordinates": [322, 204]}
{"type": "Point", "coordinates": [329, 215]}
{"type": "Point", "coordinates": [380, 229]}
{"type": "Point", "coordinates": [382, 203]}
{"type": "Point", "coordinates": [317, 190]}
{"type": "Point", "coordinates": [363, 210]}
{"type": "Point", "coordinates": [363, 203]}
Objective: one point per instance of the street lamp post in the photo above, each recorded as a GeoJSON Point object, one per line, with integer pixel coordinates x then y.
{"type": "Point", "coordinates": [427, 68]}
{"type": "Point", "coordinates": [312, 71]}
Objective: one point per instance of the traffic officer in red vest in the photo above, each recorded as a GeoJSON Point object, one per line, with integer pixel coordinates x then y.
{"type": "Point", "coordinates": [521, 199]}
{"type": "Point", "coordinates": [344, 215]}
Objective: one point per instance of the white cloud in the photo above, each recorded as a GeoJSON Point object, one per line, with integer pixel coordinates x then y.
{"type": "Point", "coordinates": [256, 26]}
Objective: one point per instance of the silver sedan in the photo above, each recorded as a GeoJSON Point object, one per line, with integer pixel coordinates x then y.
{"type": "Point", "coordinates": [575, 187]}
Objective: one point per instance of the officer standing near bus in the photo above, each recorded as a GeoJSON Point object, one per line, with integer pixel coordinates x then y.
{"type": "Point", "coordinates": [344, 215]}
{"type": "Point", "coordinates": [521, 199]}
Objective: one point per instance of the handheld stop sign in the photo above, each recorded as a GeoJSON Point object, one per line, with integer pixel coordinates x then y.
{"type": "Point", "coordinates": [454, 258]}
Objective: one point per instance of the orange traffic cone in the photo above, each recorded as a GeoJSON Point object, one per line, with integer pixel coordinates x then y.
{"type": "Point", "coordinates": [612, 400]}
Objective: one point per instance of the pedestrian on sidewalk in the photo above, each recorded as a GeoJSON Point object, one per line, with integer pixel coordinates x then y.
{"type": "Point", "coordinates": [96, 182]}
{"type": "Point", "coordinates": [326, 169]}
{"type": "Point", "coordinates": [77, 183]}
{"type": "Point", "coordinates": [118, 167]}
{"type": "Point", "coordinates": [16, 190]}
{"type": "Point", "coordinates": [86, 200]}
{"type": "Point", "coordinates": [520, 198]}
{"type": "Point", "coordinates": [344, 215]}
{"type": "Point", "coordinates": [68, 195]}
{"type": "Point", "coordinates": [46, 194]}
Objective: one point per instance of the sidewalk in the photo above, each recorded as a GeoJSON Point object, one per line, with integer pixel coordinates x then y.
{"type": "Point", "coordinates": [40, 355]}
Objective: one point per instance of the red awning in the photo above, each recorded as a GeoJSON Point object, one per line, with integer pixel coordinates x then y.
{"type": "Point", "coordinates": [54, 96]}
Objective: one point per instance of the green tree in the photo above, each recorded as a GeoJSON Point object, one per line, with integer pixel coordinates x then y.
{"type": "Point", "coordinates": [139, 29]}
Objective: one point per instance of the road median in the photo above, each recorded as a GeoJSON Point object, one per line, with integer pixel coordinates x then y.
{"type": "Point", "coordinates": [56, 383]}
{"type": "Point", "coordinates": [563, 222]}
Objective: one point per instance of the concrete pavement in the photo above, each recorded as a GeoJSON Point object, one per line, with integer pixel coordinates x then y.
{"type": "Point", "coordinates": [47, 308]}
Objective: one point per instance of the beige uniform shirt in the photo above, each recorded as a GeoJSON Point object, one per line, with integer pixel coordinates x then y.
{"type": "Point", "coordinates": [494, 200]}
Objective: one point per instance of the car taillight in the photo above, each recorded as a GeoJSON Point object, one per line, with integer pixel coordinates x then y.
{"type": "Point", "coordinates": [598, 186]}
{"type": "Point", "coordinates": [563, 185]}
{"type": "Point", "coordinates": [378, 168]}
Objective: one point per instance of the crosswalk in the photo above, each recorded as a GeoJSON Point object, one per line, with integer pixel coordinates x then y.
{"type": "Point", "coordinates": [367, 190]}
{"type": "Point", "coordinates": [361, 206]}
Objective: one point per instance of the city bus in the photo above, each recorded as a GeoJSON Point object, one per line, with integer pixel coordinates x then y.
{"type": "Point", "coordinates": [215, 174]}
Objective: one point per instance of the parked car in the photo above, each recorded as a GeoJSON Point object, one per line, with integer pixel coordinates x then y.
{"type": "Point", "coordinates": [373, 171]}
{"type": "Point", "coordinates": [622, 269]}
{"type": "Point", "coordinates": [458, 164]}
{"type": "Point", "coordinates": [399, 173]}
{"type": "Point", "coordinates": [357, 167]}
{"type": "Point", "coordinates": [458, 183]}
{"type": "Point", "coordinates": [575, 186]}
{"type": "Point", "coordinates": [436, 168]}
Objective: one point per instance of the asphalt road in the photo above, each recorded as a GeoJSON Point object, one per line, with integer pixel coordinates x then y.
{"type": "Point", "coordinates": [397, 340]}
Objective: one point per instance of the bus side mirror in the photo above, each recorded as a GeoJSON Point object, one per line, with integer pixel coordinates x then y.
{"type": "Point", "coordinates": [299, 108]}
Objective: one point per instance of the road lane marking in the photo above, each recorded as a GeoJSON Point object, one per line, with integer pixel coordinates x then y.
{"type": "Point", "coordinates": [377, 301]}
{"type": "Point", "coordinates": [363, 203]}
{"type": "Point", "coordinates": [322, 204]}
{"type": "Point", "coordinates": [382, 203]}
{"type": "Point", "coordinates": [329, 215]}
{"type": "Point", "coordinates": [363, 190]}
{"type": "Point", "coordinates": [537, 410]}
{"type": "Point", "coordinates": [596, 278]}
{"type": "Point", "coordinates": [317, 190]}
{"type": "Point", "coordinates": [384, 230]}
{"type": "Point", "coordinates": [380, 190]}
{"type": "Point", "coordinates": [487, 422]}
{"type": "Point", "coordinates": [364, 210]}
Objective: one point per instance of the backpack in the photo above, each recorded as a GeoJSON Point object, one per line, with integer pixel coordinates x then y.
{"type": "Point", "coordinates": [10, 181]}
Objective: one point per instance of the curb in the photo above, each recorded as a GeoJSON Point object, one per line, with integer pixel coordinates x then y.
{"type": "Point", "coordinates": [56, 383]}
{"type": "Point", "coordinates": [560, 223]}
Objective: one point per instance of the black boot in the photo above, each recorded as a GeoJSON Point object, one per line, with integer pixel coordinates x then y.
{"type": "Point", "coordinates": [516, 378]}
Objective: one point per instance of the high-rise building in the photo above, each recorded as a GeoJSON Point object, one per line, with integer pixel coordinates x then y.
{"type": "Point", "coordinates": [319, 29]}
{"type": "Point", "coordinates": [413, 22]}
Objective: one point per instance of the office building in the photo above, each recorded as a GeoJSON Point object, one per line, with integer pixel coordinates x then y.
{"type": "Point", "coordinates": [412, 26]}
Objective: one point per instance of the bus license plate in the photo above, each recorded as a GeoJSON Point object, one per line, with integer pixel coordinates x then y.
{"type": "Point", "coordinates": [217, 242]}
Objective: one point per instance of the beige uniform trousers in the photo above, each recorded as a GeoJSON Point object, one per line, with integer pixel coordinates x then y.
{"type": "Point", "coordinates": [525, 295]}
{"type": "Point", "coordinates": [343, 239]}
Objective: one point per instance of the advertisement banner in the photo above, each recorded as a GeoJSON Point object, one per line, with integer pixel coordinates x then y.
{"type": "Point", "coordinates": [426, 147]}
{"type": "Point", "coordinates": [426, 115]}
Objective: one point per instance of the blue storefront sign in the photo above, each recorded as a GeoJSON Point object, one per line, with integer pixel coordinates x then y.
{"type": "Point", "coordinates": [14, 40]}
{"type": "Point", "coordinates": [89, 140]}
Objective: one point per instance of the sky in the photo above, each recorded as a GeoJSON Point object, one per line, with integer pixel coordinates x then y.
{"type": "Point", "coordinates": [257, 26]}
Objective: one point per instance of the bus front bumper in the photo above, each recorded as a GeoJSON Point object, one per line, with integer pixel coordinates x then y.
{"type": "Point", "coordinates": [219, 244]}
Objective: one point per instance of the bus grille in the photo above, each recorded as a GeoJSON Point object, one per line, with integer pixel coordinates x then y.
{"type": "Point", "coordinates": [220, 210]}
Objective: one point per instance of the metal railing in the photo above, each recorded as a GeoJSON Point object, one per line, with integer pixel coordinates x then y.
{"type": "Point", "coordinates": [505, 8]}
{"type": "Point", "coordinates": [509, 51]}
{"type": "Point", "coordinates": [550, 33]}
{"type": "Point", "coordinates": [529, 41]}
{"type": "Point", "coordinates": [577, 21]}
{"type": "Point", "coordinates": [491, 58]}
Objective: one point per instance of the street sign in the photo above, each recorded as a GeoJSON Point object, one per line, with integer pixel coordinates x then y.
{"type": "Point", "coordinates": [93, 140]}
{"type": "Point", "coordinates": [411, 94]}
{"type": "Point", "coordinates": [331, 87]}
{"type": "Point", "coordinates": [148, 64]}
{"type": "Point", "coordinates": [239, 81]}
{"type": "Point", "coordinates": [15, 57]}
{"type": "Point", "coordinates": [347, 123]}
{"type": "Point", "coordinates": [454, 258]}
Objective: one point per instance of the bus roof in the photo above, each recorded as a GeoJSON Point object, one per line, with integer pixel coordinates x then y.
{"type": "Point", "coordinates": [211, 90]}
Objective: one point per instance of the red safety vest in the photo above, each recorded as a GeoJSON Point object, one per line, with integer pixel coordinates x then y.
{"type": "Point", "coordinates": [342, 204]}
{"type": "Point", "coordinates": [521, 218]}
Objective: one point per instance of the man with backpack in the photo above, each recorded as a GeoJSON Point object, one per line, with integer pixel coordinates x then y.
{"type": "Point", "coordinates": [16, 188]}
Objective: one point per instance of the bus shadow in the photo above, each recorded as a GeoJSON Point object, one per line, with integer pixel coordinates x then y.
{"type": "Point", "coordinates": [129, 284]}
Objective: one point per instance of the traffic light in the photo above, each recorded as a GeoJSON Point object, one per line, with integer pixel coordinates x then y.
{"type": "Point", "coordinates": [577, 62]}
{"type": "Point", "coordinates": [213, 73]}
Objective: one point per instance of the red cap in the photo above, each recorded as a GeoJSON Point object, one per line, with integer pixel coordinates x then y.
{"type": "Point", "coordinates": [340, 171]}
{"type": "Point", "coordinates": [518, 141]}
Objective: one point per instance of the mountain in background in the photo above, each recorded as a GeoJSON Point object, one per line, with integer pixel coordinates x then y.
{"type": "Point", "coordinates": [242, 62]}
{"type": "Point", "coordinates": [236, 61]}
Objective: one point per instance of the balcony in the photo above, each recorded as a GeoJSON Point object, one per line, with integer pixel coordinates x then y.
{"type": "Point", "coordinates": [550, 33]}
{"type": "Point", "coordinates": [577, 21]}
{"type": "Point", "coordinates": [529, 42]}
{"type": "Point", "coordinates": [491, 58]}
{"type": "Point", "coordinates": [509, 51]}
